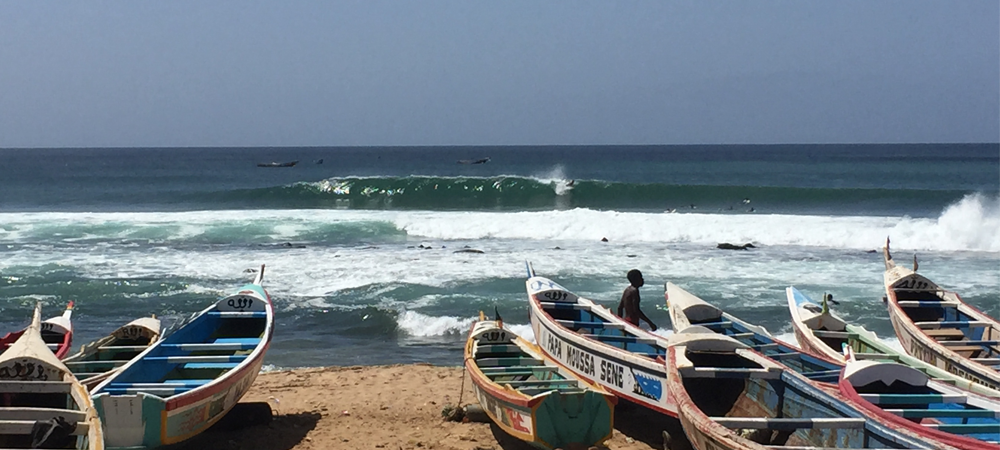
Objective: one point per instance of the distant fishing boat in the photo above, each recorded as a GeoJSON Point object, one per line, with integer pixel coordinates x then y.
{"type": "Point", "coordinates": [936, 326]}
{"type": "Point", "coordinates": [820, 331]}
{"type": "Point", "coordinates": [532, 397]}
{"type": "Point", "coordinates": [474, 161]}
{"type": "Point", "coordinates": [57, 332]}
{"type": "Point", "coordinates": [188, 380]}
{"type": "Point", "coordinates": [42, 405]}
{"type": "Point", "coordinates": [597, 345]}
{"type": "Point", "coordinates": [733, 398]}
{"type": "Point", "coordinates": [278, 164]}
{"type": "Point", "coordinates": [99, 359]}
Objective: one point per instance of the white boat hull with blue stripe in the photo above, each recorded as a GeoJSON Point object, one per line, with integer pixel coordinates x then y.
{"type": "Point", "coordinates": [598, 346]}
{"type": "Point", "coordinates": [188, 380]}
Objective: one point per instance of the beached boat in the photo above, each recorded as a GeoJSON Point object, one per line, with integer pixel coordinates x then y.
{"type": "Point", "coordinates": [42, 405]}
{"type": "Point", "coordinates": [530, 396]}
{"type": "Point", "coordinates": [57, 332]}
{"type": "Point", "coordinates": [189, 379]}
{"type": "Point", "coordinates": [936, 326]}
{"type": "Point", "coordinates": [598, 346]}
{"type": "Point", "coordinates": [686, 310]}
{"type": "Point", "coordinates": [820, 331]}
{"type": "Point", "coordinates": [99, 359]}
{"type": "Point", "coordinates": [732, 398]}
{"type": "Point", "coordinates": [904, 397]}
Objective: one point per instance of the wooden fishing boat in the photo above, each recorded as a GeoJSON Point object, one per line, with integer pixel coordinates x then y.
{"type": "Point", "coordinates": [188, 380]}
{"type": "Point", "coordinates": [905, 397]}
{"type": "Point", "coordinates": [57, 332]}
{"type": "Point", "coordinates": [530, 396]}
{"type": "Point", "coordinates": [42, 405]}
{"type": "Point", "coordinates": [99, 359]}
{"type": "Point", "coordinates": [820, 331]}
{"type": "Point", "coordinates": [687, 310]}
{"type": "Point", "coordinates": [936, 326]}
{"type": "Point", "coordinates": [598, 346]}
{"type": "Point", "coordinates": [731, 397]}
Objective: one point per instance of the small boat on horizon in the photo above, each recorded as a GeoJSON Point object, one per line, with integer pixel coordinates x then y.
{"type": "Point", "coordinates": [530, 396]}
{"type": "Point", "coordinates": [278, 164]}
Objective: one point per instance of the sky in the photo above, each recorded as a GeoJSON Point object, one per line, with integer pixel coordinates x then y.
{"type": "Point", "coordinates": [394, 73]}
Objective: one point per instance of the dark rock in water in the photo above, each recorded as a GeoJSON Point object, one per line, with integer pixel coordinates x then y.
{"type": "Point", "coordinates": [468, 250]}
{"type": "Point", "coordinates": [872, 251]}
{"type": "Point", "coordinates": [284, 245]}
{"type": "Point", "coordinates": [728, 246]}
{"type": "Point", "coordinates": [630, 256]}
{"type": "Point", "coordinates": [604, 239]}
{"type": "Point", "coordinates": [556, 248]}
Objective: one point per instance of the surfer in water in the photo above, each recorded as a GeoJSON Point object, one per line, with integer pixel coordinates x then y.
{"type": "Point", "coordinates": [630, 301]}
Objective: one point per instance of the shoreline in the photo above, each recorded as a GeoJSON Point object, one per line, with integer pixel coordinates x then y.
{"type": "Point", "coordinates": [392, 407]}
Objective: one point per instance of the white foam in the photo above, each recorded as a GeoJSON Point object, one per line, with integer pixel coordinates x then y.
{"type": "Point", "coordinates": [417, 324]}
{"type": "Point", "coordinates": [972, 224]}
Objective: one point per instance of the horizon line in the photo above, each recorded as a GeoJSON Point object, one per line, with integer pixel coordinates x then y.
{"type": "Point", "coordinates": [116, 147]}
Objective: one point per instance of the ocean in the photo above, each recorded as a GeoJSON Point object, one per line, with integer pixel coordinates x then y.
{"type": "Point", "coordinates": [383, 255]}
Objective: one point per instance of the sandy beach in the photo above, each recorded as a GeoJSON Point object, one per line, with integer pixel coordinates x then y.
{"type": "Point", "coordinates": [396, 407]}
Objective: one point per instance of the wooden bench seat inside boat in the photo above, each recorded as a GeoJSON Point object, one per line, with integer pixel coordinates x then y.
{"type": "Point", "coordinates": [553, 305]}
{"type": "Point", "coordinates": [220, 344]}
{"type": "Point", "coordinates": [510, 370]}
{"type": "Point", "coordinates": [23, 427]}
{"type": "Point", "coordinates": [539, 383]}
{"type": "Point", "coordinates": [945, 333]}
{"type": "Point", "coordinates": [772, 423]}
{"type": "Point", "coordinates": [913, 399]}
{"type": "Point", "coordinates": [35, 387]}
{"type": "Point", "coordinates": [36, 413]}
{"type": "Point", "coordinates": [239, 314]}
{"type": "Point", "coordinates": [580, 324]}
{"type": "Point", "coordinates": [616, 338]}
{"type": "Point", "coordinates": [922, 413]}
{"type": "Point", "coordinates": [731, 372]}
{"type": "Point", "coordinates": [964, 428]}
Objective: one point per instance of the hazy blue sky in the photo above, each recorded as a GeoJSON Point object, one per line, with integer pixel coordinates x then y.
{"type": "Point", "coordinates": [251, 73]}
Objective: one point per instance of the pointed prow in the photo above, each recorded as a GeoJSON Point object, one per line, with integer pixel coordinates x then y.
{"type": "Point", "coordinates": [69, 310]}
{"type": "Point", "coordinates": [531, 270]}
{"type": "Point", "coordinates": [260, 276]}
{"type": "Point", "coordinates": [914, 262]}
{"type": "Point", "coordinates": [889, 264]}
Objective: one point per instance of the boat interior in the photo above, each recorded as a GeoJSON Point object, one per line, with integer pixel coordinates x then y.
{"type": "Point", "coordinates": [765, 406]}
{"type": "Point", "coordinates": [811, 367]}
{"type": "Point", "coordinates": [507, 364]}
{"type": "Point", "coordinates": [194, 355]}
{"type": "Point", "coordinates": [111, 352]}
{"type": "Point", "coordinates": [950, 413]}
{"type": "Point", "coordinates": [22, 403]}
{"type": "Point", "coordinates": [939, 314]}
{"type": "Point", "coordinates": [592, 324]}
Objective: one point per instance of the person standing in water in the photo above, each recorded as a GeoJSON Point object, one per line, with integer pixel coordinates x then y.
{"type": "Point", "coordinates": [630, 300]}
